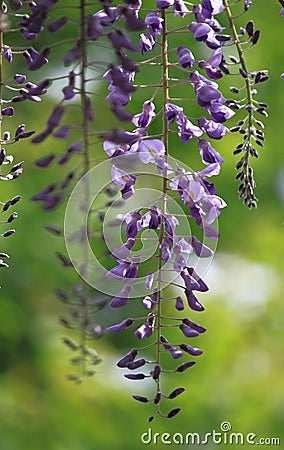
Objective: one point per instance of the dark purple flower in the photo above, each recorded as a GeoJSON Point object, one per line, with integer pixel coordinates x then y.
{"type": "Point", "coordinates": [193, 302]}
{"type": "Point", "coordinates": [119, 40]}
{"type": "Point", "coordinates": [9, 111]}
{"type": "Point", "coordinates": [133, 225]}
{"type": "Point", "coordinates": [155, 218]}
{"type": "Point", "coordinates": [122, 298]}
{"type": "Point", "coordinates": [132, 19]}
{"type": "Point", "coordinates": [7, 53]}
{"type": "Point", "coordinates": [149, 280]}
{"type": "Point", "coordinates": [200, 30]}
{"type": "Point", "coordinates": [154, 22]}
{"type": "Point", "coordinates": [219, 112]}
{"type": "Point", "coordinates": [188, 332]}
{"type": "Point", "coordinates": [75, 54]}
{"type": "Point", "coordinates": [45, 161]}
{"type": "Point", "coordinates": [147, 302]}
{"type": "Point", "coordinates": [211, 63]}
{"type": "Point", "coordinates": [189, 281]}
{"type": "Point", "coordinates": [57, 24]}
{"type": "Point", "coordinates": [146, 330]}
{"type": "Point", "coordinates": [135, 376]}
{"type": "Point", "coordinates": [126, 62]}
{"type": "Point", "coordinates": [147, 42]}
{"type": "Point", "coordinates": [141, 399]}
{"type": "Point", "coordinates": [106, 17]}
{"type": "Point", "coordinates": [121, 326]}
{"type": "Point", "coordinates": [173, 412]}
{"type": "Point", "coordinates": [119, 136]}
{"type": "Point", "coordinates": [213, 129]}
{"type": "Point", "coordinates": [208, 154]}
{"type": "Point", "coordinates": [129, 357]}
{"type": "Point", "coordinates": [172, 112]}
{"type": "Point", "coordinates": [144, 119]}
{"type": "Point", "coordinates": [166, 252]}
{"type": "Point", "coordinates": [63, 132]}
{"type": "Point", "coordinates": [119, 78]}
{"type": "Point", "coordinates": [187, 130]}
{"type": "Point", "coordinates": [164, 4]}
{"type": "Point", "coordinates": [176, 392]}
{"type": "Point", "coordinates": [121, 178]}
{"type": "Point", "coordinates": [185, 57]}
{"type": "Point", "coordinates": [200, 249]}
{"type": "Point", "coordinates": [38, 59]}
{"type": "Point", "coordinates": [180, 9]}
{"type": "Point", "coordinates": [121, 114]}
{"type": "Point", "coordinates": [55, 117]}
{"type": "Point", "coordinates": [136, 364]}
{"type": "Point", "coordinates": [179, 304]}
{"type": "Point", "coordinates": [191, 350]}
{"type": "Point", "coordinates": [20, 79]}
{"type": "Point", "coordinates": [68, 91]}
{"type": "Point", "coordinates": [176, 353]}
{"type": "Point", "coordinates": [94, 26]}
{"type": "Point", "coordinates": [212, 7]}
{"type": "Point", "coordinates": [185, 366]}
{"type": "Point", "coordinates": [125, 269]}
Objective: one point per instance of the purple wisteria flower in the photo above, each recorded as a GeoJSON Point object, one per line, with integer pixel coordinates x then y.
{"type": "Point", "coordinates": [164, 4]}
{"type": "Point", "coordinates": [187, 130]}
{"type": "Point", "coordinates": [122, 178]}
{"type": "Point", "coordinates": [144, 119]}
{"type": "Point", "coordinates": [151, 150]}
{"type": "Point", "coordinates": [122, 298]}
{"type": "Point", "coordinates": [147, 42]}
{"type": "Point", "coordinates": [185, 57]}
{"type": "Point", "coordinates": [211, 63]}
{"type": "Point", "coordinates": [213, 129]}
{"type": "Point", "coordinates": [180, 9]}
{"type": "Point", "coordinates": [208, 154]}
{"type": "Point", "coordinates": [154, 22]}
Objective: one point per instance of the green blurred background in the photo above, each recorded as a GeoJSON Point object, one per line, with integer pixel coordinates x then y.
{"type": "Point", "coordinates": [240, 377]}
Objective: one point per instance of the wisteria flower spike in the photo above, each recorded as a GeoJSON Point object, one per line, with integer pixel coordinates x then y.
{"type": "Point", "coordinates": [141, 203]}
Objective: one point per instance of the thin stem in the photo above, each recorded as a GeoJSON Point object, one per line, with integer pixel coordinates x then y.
{"type": "Point", "coordinates": [164, 190]}
{"type": "Point", "coordinates": [242, 62]}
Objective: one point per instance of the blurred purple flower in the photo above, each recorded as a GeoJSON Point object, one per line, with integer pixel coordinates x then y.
{"type": "Point", "coordinates": [122, 298]}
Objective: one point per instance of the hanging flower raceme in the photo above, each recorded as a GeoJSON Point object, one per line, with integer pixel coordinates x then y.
{"type": "Point", "coordinates": [14, 91]}
{"type": "Point", "coordinates": [154, 265]}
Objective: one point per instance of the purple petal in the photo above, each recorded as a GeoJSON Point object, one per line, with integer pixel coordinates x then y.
{"type": "Point", "coordinates": [187, 331]}
{"type": "Point", "coordinates": [121, 326]}
{"type": "Point", "coordinates": [122, 298]}
{"type": "Point", "coordinates": [129, 357]}
{"type": "Point", "coordinates": [179, 304]}
{"type": "Point", "coordinates": [149, 280]}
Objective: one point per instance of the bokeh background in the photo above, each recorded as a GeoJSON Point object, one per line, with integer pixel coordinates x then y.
{"type": "Point", "coordinates": [240, 376]}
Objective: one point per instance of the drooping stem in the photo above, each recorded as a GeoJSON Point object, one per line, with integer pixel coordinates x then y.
{"type": "Point", "coordinates": [165, 140]}
{"type": "Point", "coordinates": [247, 146]}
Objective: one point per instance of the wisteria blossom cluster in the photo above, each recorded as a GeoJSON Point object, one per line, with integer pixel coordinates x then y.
{"type": "Point", "coordinates": [194, 118]}
{"type": "Point", "coordinates": [14, 90]}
